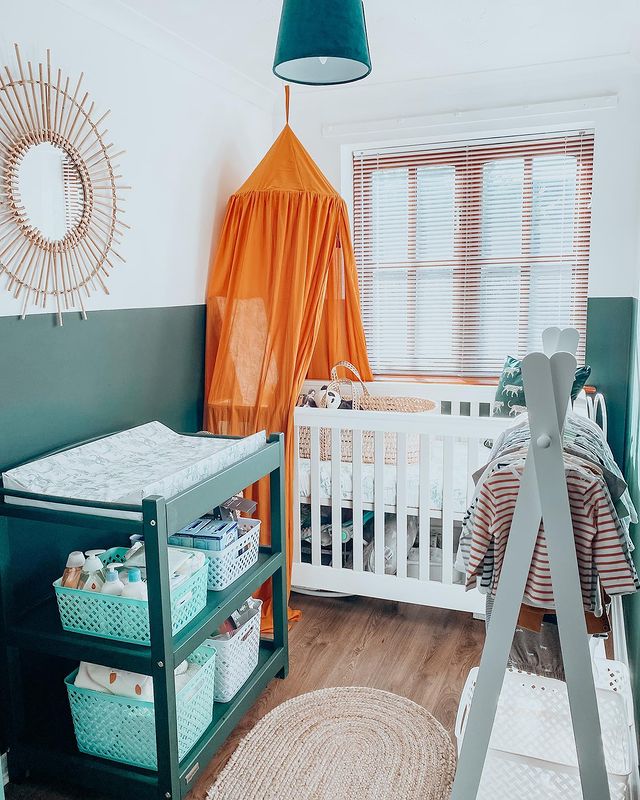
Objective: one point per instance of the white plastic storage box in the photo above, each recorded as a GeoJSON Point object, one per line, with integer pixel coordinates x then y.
{"type": "Point", "coordinates": [532, 752]}
{"type": "Point", "coordinates": [124, 729]}
{"type": "Point", "coordinates": [226, 566]}
{"type": "Point", "coordinates": [123, 618]}
{"type": "Point", "coordinates": [614, 676]}
{"type": "Point", "coordinates": [511, 777]}
{"type": "Point", "coordinates": [237, 657]}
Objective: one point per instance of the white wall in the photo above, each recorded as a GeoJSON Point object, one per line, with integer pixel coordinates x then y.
{"type": "Point", "coordinates": [192, 128]}
{"type": "Point", "coordinates": [552, 96]}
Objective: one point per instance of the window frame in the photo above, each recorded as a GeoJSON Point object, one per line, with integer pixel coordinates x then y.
{"type": "Point", "coordinates": [457, 142]}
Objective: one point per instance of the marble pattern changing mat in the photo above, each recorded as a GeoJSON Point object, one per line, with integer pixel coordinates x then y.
{"type": "Point", "coordinates": [125, 467]}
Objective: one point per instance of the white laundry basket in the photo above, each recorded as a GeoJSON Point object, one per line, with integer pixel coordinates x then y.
{"type": "Point", "coordinates": [532, 749]}
{"type": "Point", "coordinates": [237, 657]}
{"type": "Point", "coordinates": [614, 676]}
{"type": "Point", "coordinates": [511, 777]}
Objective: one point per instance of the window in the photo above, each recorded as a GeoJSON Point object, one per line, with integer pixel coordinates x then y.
{"type": "Point", "coordinates": [467, 252]}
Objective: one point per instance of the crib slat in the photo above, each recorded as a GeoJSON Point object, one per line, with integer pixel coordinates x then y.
{"type": "Point", "coordinates": [455, 408]}
{"type": "Point", "coordinates": [401, 506]}
{"type": "Point", "coordinates": [472, 465]}
{"type": "Point", "coordinates": [357, 501]}
{"type": "Point", "coordinates": [336, 500]}
{"type": "Point", "coordinates": [378, 501]}
{"type": "Point", "coordinates": [447, 510]}
{"type": "Point", "coordinates": [297, 531]}
{"type": "Point", "coordinates": [424, 516]}
{"type": "Point", "coordinates": [316, 559]}
{"type": "Point", "coordinates": [474, 408]}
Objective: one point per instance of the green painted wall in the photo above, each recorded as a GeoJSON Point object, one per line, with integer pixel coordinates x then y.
{"type": "Point", "coordinates": [119, 368]}
{"type": "Point", "coordinates": [59, 385]}
{"type": "Point", "coordinates": [609, 339]}
{"type": "Point", "coordinates": [613, 350]}
{"type": "Point", "coordinates": [632, 474]}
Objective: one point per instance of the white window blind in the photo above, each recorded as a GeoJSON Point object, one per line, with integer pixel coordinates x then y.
{"type": "Point", "coordinates": [466, 252]}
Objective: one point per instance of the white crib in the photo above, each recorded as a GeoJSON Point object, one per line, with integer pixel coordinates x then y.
{"type": "Point", "coordinates": [436, 489]}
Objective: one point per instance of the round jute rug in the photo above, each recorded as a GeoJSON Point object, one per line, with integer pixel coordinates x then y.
{"type": "Point", "coordinates": [341, 744]}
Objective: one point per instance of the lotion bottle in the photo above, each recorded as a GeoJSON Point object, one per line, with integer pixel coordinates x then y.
{"type": "Point", "coordinates": [103, 569]}
{"type": "Point", "coordinates": [134, 588]}
{"type": "Point", "coordinates": [92, 578]}
{"type": "Point", "coordinates": [72, 572]}
{"type": "Point", "coordinates": [112, 585]}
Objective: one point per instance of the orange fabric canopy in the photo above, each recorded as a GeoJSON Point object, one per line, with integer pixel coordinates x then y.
{"type": "Point", "coordinates": [282, 298]}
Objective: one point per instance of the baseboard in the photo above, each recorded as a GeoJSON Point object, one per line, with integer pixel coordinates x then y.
{"type": "Point", "coordinates": [5, 769]}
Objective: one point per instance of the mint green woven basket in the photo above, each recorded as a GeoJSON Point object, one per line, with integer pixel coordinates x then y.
{"type": "Point", "coordinates": [123, 618]}
{"type": "Point", "coordinates": [123, 729]}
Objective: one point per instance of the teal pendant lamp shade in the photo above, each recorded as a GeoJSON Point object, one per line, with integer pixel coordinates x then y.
{"type": "Point", "coordinates": [322, 42]}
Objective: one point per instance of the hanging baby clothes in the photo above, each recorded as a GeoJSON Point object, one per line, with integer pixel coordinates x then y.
{"type": "Point", "coordinates": [601, 510]}
{"type": "Point", "coordinates": [600, 541]}
{"type": "Point", "coordinates": [586, 439]}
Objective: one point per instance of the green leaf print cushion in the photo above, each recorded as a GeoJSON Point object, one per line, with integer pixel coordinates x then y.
{"type": "Point", "coordinates": [510, 400]}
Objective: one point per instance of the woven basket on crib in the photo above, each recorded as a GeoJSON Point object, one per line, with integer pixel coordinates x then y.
{"type": "Point", "coordinates": [363, 400]}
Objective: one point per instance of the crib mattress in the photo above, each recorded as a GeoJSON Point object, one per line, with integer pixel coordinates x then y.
{"type": "Point", "coordinates": [150, 459]}
{"type": "Point", "coordinates": [459, 480]}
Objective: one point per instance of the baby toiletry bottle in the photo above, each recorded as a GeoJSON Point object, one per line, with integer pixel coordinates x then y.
{"type": "Point", "coordinates": [92, 578]}
{"type": "Point", "coordinates": [103, 569]}
{"type": "Point", "coordinates": [73, 570]}
{"type": "Point", "coordinates": [135, 588]}
{"type": "Point", "coordinates": [113, 584]}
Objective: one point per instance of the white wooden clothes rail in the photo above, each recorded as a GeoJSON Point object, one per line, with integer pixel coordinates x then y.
{"type": "Point", "coordinates": [543, 496]}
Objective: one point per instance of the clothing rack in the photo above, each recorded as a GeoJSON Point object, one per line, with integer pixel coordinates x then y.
{"type": "Point", "coordinates": [543, 495]}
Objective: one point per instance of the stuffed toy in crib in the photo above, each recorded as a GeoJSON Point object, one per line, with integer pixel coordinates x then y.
{"type": "Point", "coordinates": [323, 398]}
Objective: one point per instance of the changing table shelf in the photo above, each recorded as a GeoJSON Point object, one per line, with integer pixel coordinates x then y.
{"type": "Point", "coordinates": [44, 756]}
{"type": "Point", "coordinates": [226, 716]}
{"type": "Point", "coordinates": [40, 629]}
{"type": "Point", "coordinates": [38, 744]}
{"type": "Point", "coordinates": [221, 604]}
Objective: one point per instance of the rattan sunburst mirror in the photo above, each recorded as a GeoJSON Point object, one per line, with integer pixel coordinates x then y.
{"type": "Point", "coordinates": [60, 197]}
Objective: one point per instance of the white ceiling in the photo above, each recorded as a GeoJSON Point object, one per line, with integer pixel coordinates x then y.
{"type": "Point", "coordinates": [412, 39]}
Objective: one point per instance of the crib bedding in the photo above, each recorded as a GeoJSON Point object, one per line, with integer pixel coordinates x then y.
{"type": "Point", "coordinates": [124, 468]}
{"type": "Point", "coordinates": [459, 479]}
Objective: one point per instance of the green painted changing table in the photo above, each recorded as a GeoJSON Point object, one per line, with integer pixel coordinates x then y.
{"type": "Point", "coordinates": [39, 652]}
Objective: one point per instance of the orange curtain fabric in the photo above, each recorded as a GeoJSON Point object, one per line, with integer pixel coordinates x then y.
{"type": "Point", "coordinates": [341, 328]}
{"type": "Point", "coordinates": [282, 296]}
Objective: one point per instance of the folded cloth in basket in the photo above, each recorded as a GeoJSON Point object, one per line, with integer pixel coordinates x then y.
{"type": "Point", "coordinates": [127, 684]}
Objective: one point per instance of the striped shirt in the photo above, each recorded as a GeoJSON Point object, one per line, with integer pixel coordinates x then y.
{"type": "Point", "coordinates": [600, 541]}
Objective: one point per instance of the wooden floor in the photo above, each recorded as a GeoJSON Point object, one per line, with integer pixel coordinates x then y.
{"type": "Point", "coordinates": [421, 653]}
